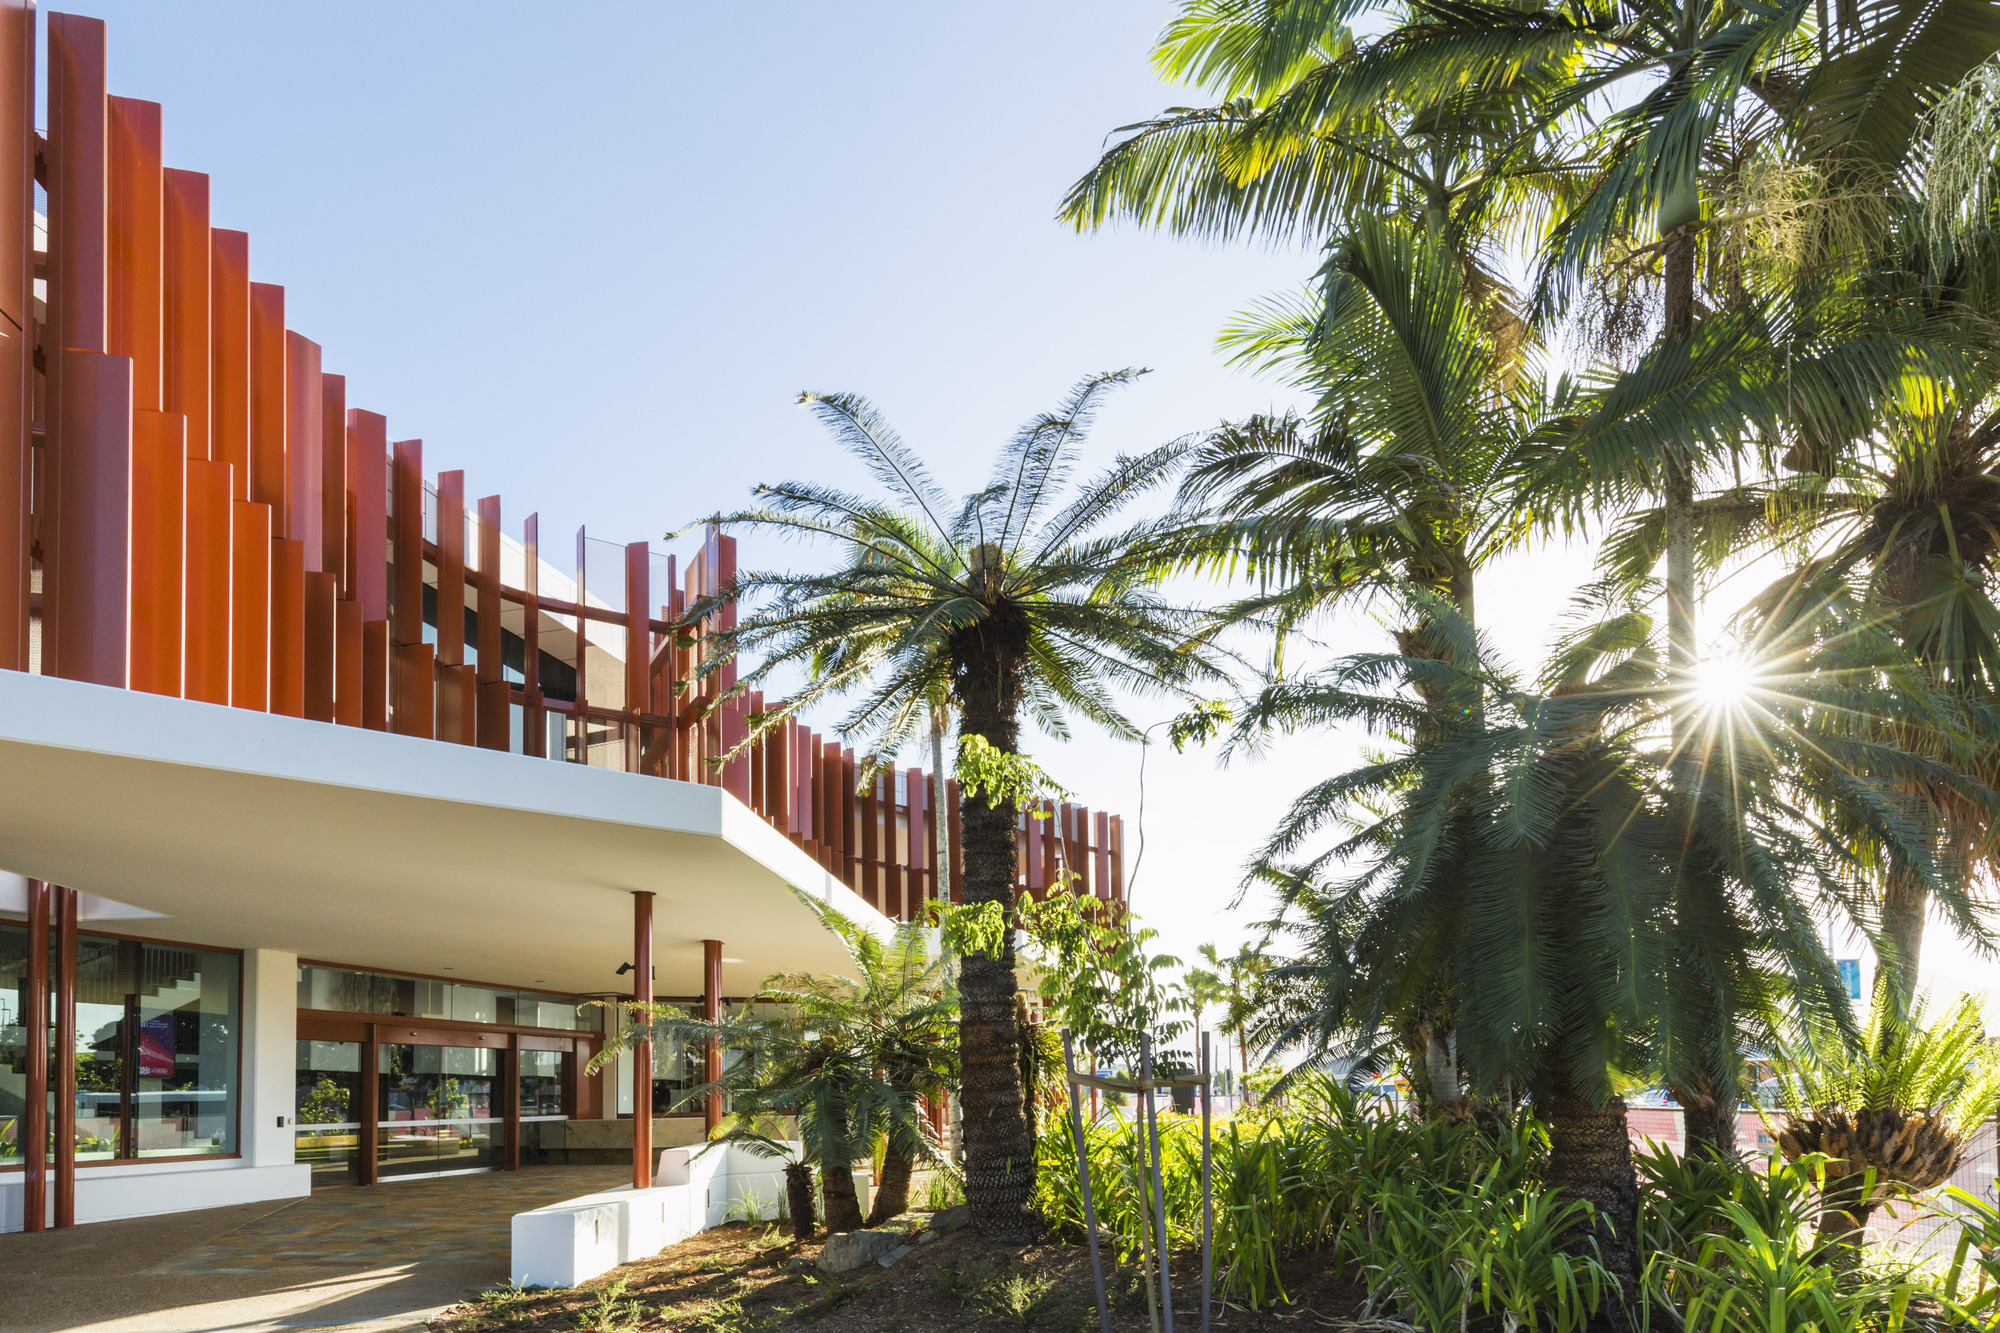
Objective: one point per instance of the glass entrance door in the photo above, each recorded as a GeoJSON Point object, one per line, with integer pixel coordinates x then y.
{"type": "Point", "coordinates": [440, 1110]}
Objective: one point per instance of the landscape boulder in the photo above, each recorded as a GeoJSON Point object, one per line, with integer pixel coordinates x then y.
{"type": "Point", "coordinates": [847, 1250]}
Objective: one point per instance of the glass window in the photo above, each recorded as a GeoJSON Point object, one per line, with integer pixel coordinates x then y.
{"type": "Point", "coordinates": [13, 1040]}
{"type": "Point", "coordinates": [438, 1109]}
{"type": "Point", "coordinates": [542, 1083]}
{"type": "Point", "coordinates": [328, 1110]}
{"type": "Point", "coordinates": [343, 990]}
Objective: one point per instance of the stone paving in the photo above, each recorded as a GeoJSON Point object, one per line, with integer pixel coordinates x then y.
{"type": "Point", "coordinates": [342, 1261]}
{"type": "Point", "coordinates": [456, 1219]}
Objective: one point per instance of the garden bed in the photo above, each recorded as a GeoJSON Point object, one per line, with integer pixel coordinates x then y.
{"type": "Point", "coordinates": [734, 1279]}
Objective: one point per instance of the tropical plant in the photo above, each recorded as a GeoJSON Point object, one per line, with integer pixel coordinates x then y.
{"type": "Point", "coordinates": [1891, 1114]}
{"type": "Point", "coordinates": [848, 1058]}
{"type": "Point", "coordinates": [1019, 603]}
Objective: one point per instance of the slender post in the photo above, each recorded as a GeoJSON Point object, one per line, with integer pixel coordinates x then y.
{"type": "Point", "coordinates": [1207, 1199]}
{"type": "Point", "coordinates": [66, 1059]}
{"type": "Point", "coordinates": [1083, 1178]}
{"type": "Point", "coordinates": [711, 1011]}
{"type": "Point", "coordinates": [642, 1052]}
{"type": "Point", "coordinates": [1159, 1176]}
{"type": "Point", "coordinates": [35, 1124]}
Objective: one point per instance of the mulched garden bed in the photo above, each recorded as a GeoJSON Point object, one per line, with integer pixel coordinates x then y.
{"type": "Point", "coordinates": [734, 1279]}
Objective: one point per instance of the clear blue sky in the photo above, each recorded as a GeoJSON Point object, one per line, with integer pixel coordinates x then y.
{"type": "Point", "coordinates": [590, 254]}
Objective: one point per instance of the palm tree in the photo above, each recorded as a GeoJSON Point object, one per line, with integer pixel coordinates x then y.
{"type": "Point", "coordinates": [1018, 603]}
{"type": "Point", "coordinates": [847, 1058]}
{"type": "Point", "coordinates": [1241, 977]}
{"type": "Point", "coordinates": [1892, 1113]}
{"type": "Point", "coordinates": [1529, 852]}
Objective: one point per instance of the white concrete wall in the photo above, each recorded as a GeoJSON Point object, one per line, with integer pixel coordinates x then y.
{"type": "Point", "coordinates": [270, 1057]}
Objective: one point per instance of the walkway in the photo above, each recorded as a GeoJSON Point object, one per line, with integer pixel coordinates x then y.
{"type": "Point", "coordinates": [343, 1261]}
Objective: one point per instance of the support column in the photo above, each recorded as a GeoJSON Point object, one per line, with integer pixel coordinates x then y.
{"type": "Point", "coordinates": [510, 1104]}
{"type": "Point", "coordinates": [371, 1109]}
{"type": "Point", "coordinates": [642, 1053]}
{"type": "Point", "coordinates": [66, 1058]}
{"type": "Point", "coordinates": [35, 1135]}
{"type": "Point", "coordinates": [711, 1010]}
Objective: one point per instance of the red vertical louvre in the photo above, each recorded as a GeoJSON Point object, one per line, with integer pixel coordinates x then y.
{"type": "Point", "coordinates": [412, 683]}
{"type": "Point", "coordinates": [305, 424]}
{"type": "Point", "coordinates": [229, 354]}
{"type": "Point", "coordinates": [892, 849]}
{"type": "Point", "coordinates": [368, 484]}
{"type": "Point", "coordinates": [17, 202]}
{"type": "Point", "coordinates": [159, 481]}
{"type": "Point", "coordinates": [1032, 829]}
{"type": "Point", "coordinates": [1117, 872]}
{"type": "Point", "coordinates": [920, 844]}
{"type": "Point", "coordinates": [205, 630]}
{"type": "Point", "coordinates": [582, 652]}
{"type": "Point", "coordinates": [95, 491]}
{"type": "Point", "coordinates": [492, 724]}
{"type": "Point", "coordinates": [735, 773]}
{"type": "Point", "coordinates": [321, 622]}
{"type": "Point", "coordinates": [288, 627]}
{"type": "Point", "coordinates": [349, 652]}
{"type": "Point", "coordinates": [833, 846]}
{"type": "Point", "coordinates": [456, 687]}
{"type": "Point", "coordinates": [534, 721]}
{"type": "Point", "coordinates": [870, 886]}
{"type": "Point", "coordinates": [133, 286]}
{"type": "Point", "coordinates": [375, 674]}
{"type": "Point", "coordinates": [333, 516]}
{"type": "Point", "coordinates": [1079, 851]}
{"type": "Point", "coordinates": [638, 646]}
{"type": "Point", "coordinates": [268, 472]}
{"type": "Point", "coordinates": [185, 292]}
{"type": "Point", "coordinates": [850, 846]}
{"type": "Point", "coordinates": [1100, 860]}
{"type": "Point", "coordinates": [76, 162]}
{"type": "Point", "coordinates": [250, 605]}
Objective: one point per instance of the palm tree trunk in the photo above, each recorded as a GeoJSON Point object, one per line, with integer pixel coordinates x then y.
{"type": "Point", "coordinates": [1905, 901]}
{"type": "Point", "coordinates": [1682, 649]}
{"type": "Point", "coordinates": [1843, 1222]}
{"type": "Point", "coordinates": [1708, 1120]}
{"type": "Point", "coordinates": [799, 1199]}
{"type": "Point", "coordinates": [987, 662]}
{"type": "Point", "coordinates": [1590, 1158]}
{"type": "Point", "coordinates": [836, 1190]}
{"type": "Point", "coordinates": [892, 1193]}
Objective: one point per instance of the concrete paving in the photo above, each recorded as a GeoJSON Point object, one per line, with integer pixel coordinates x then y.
{"type": "Point", "coordinates": [379, 1260]}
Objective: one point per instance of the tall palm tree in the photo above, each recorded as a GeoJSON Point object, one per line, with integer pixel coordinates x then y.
{"type": "Point", "coordinates": [1017, 601]}
{"type": "Point", "coordinates": [1528, 851]}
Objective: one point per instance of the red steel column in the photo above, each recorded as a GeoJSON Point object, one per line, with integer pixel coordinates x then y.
{"type": "Point", "coordinates": [35, 1121]}
{"type": "Point", "coordinates": [65, 904]}
{"type": "Point", "coordinates": [642, 1053]}
{"type": "Point", "coordinates": [711, 1010]}
{"type": "Point", "coordinates": [94, 492]}
{"type": "Point", "coordinates": [17, 203]}
{"type": "Point", "coordinates": [76, 160]}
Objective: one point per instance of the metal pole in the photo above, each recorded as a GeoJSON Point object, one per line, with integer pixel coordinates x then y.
{"type": "Point", "coordinates": [1159, 1178]}
{"type": "Point", "coordinates": [1207, 1199]}
{"type": "Point", "coordinates": [1083, 1178]}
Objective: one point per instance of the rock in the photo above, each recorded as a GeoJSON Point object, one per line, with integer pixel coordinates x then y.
{"type": "Point", "coordinates": [799, 1264]}
{"type": "Point", "coordinates": [926, 1237]}
{"type": "Point", "coordinates": [847, 1250]}
{"type": "Point", "coordinates": [951, 1219]}
{"type": "Point", "coordinates": [906, 1222]}
{"type": "Point", "coordinates": [893, 1255]}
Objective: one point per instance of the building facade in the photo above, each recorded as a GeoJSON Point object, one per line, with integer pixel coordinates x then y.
{"type": "Point", "coordinates": [330, 798]}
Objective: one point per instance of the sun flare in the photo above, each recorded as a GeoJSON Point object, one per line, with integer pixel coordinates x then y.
{"type": "Point", "coordinates": [1720, 681]}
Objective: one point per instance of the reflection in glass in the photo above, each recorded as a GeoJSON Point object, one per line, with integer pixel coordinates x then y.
{"type": "Point", "coordinates": [13, 1040]}
{"type": "Point", "coordinates": [343, 990]}
{"type": "Point", "coordinates": [542, 1083]}
{"type": "Point", "coordinates": [439, 1112]}
{"type": "Point", "coordinates": [328, 1111]}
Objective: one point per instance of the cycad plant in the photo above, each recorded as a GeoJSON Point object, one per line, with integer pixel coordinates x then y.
{"type": "Point", "coordinates": [1891, 1114]}
{"type": "Point", "coordinates": [1020, 602]}
{"type": "Point", "coordinates": [849, 1059]}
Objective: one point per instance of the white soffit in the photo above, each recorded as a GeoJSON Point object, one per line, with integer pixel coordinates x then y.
{"type": "Point", "coordinates": [247, 830]}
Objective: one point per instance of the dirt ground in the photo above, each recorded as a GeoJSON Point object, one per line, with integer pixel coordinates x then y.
{"type": "Point", "coordinates": [734, 1280]}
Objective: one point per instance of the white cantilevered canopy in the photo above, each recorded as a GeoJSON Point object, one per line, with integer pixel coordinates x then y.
{"type": "Point", "coordinates": [394, 853]}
